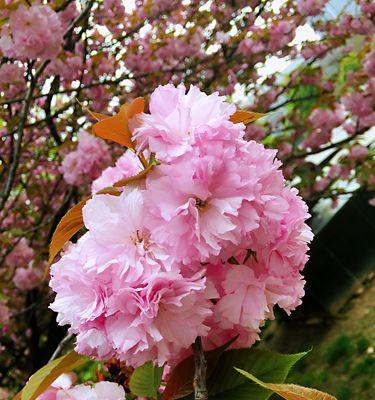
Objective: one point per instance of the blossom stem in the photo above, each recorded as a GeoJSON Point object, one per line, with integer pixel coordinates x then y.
{"type": "Point", "coordinates": [143, 160]}
{"type": "Point", "coordinates": [199, 383]}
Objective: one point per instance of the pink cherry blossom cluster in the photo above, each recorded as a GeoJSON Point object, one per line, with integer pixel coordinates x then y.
{"type": "Point", "coordinates": [361, 105]}
{"type": "Point", "coordinates": [205, 246]}
{"type": "Point", "coordinates": [323, 122]}
{"type": "Point", "coordinates": [310, 7]}
{"type": "Point", "coordinates": [127, 165]}
{"type": "Point", "coordinates": [26, 278]}
{"type": "Point", "coordinates": [12, 79]}
{"type": "Point", "coordinates": [63, 388]}
{"type": "Point", "coordinates": [32, 32]}
{"type": "Point", "coordinates": [21, 255]}
{"type": "Point", "coordinates": [87, 162]}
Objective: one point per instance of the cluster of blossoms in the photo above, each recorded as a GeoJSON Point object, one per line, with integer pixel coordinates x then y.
{"type": "Point", "coordinates": [87, 161]}
{"type": "Point", "coordinates": [21, 255]}
{"type": "Point", "coordinates": [63, 388]}
{"type": "Point", "coordinates": [25, 35]}
{"type": "Point", "coordinates": [20, 260]}
{"type": "Point", "coordinates": [205, 246]}
{"type": "Point", "coordinates": [310, 7]}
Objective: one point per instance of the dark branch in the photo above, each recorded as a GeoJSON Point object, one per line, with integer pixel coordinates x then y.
{"type": "Point", "coordinates": [200, 373]}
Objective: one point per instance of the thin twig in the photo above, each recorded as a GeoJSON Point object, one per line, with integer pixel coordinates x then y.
{"type": "Point", "coordinates": [66, 339]}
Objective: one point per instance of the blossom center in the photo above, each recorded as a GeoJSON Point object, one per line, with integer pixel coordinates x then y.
{"type": "Point", "coordinates": [140, 239]}
{"type": "Point", "coordinates": [200, 204]}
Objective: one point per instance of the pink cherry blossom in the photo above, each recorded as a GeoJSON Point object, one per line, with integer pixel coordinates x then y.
{"type": "Point", "coordinates": [281, 33]}
{"type": "Point", "coordinates": [367, 7]}
{"type": "Point", "coordinates": [313, 50]}
{"type": "Point", "coordinates": [100, 391]}
{"type": "Point", "coordinates": [109, 218]}
{"type": "Point", "coordinates": [64, 381]}
{"type": "Point", "coordinates": [163, 315]}
{"type": "Point", "coordinates": [127, 165]}
{"type": "Point", "coordinates": [67, 15]}
{"type": "Point", "coordinates": [358, 152]}
{"type": "Point", "coordinates": [120, 312]}
{"type": "Point", "coordinates": [177, 119]}
{"type": "Point", "coordinates": [68, 69]}
{"type": "Point", "coordinates": [323, 122]}
{"type": "Point", "coordinates": [152, 272]}
{"type": "Point", "coordinates": [310, 7]}
{"type": "Point", "coordinates": [27, 278]}
{"type": "Point", "coordinates": [86, 163]}
{"type": "Point", "coordinates": [321, 184]}
{"type": "Point", "coordinates": [248, 47]}
{"type": "Point", "coordinates": [21, 255]}
{"type": "Point", "coordinates": [324, 119]}
{"type": "Point", "coordinates": [244, 301]}
{"type": "Point", "coordinates": [357, 104]}
{"type": "Point", "coordinates": [11, 73]}
{"type": "Point", "coordinates": [25, 35]}
{"type": "Point", "coordinates": [207, 191]}
{"type": "Point", "coordinates": [255, 132]}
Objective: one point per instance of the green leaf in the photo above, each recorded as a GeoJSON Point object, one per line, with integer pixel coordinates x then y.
{"type": "Point", "coordinates": [145, 380]}
{"type": "Point", "coordinates": [309, 94]}
{"type": "Point", "coordinates": [43, 378]}
{"type": "Point", "coordinates": [226, 384]}
{"type": "Point", "coordinates": [349, 63]}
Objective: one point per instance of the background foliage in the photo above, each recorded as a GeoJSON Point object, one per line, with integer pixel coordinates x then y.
{"type": "Point", "coordinates": [307, 64]}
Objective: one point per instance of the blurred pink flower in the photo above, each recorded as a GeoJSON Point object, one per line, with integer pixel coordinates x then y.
{"type": "Point", "coordinates": [21, 255]}
{"type": "Point", "coordinates": [25, 34]}
{"type": "Point", "coordinates": [310, 7]}
{"type": "Point", "coordinates": [27, 278]}
{"type": "Point", "coordinates": [11, 73]}
{"type": "Point", "coordinates": [87, 162]}
{"type": "Point", "coordinates": [254, 132]}
{"type": "Point", "coordinates": [358, 152]}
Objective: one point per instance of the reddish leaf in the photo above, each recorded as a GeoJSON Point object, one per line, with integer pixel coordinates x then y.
{"type": "Point", "coordinates": [98, 116]}
{"type": "Point", "coordinates": [116, 128]}
{"type": "Point", "coordinates": [246, 117]}
{"type": "Point", "coordinates": [180, 383]}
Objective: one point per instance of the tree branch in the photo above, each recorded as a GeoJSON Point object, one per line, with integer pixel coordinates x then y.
{"type": "Point", "coordinates": [200, 373]}
{"type": "Point", "coordinates": [20, 131]}
{"type": "Point", "coordinates": [61, 346]}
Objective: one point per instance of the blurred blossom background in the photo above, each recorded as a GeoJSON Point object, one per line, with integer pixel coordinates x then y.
{"type": "Point", "coordinates": [309, 65]}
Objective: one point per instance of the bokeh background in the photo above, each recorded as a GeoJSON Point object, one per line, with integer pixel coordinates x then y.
{"type": "Point", "coordinates": [309, 65]}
